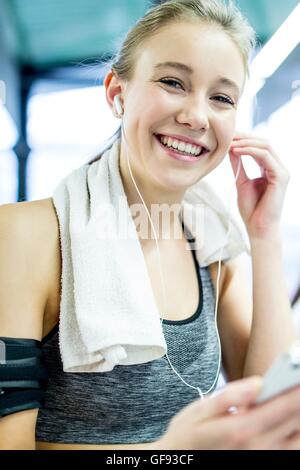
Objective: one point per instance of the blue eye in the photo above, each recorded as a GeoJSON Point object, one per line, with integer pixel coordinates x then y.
{"type": "Point", "coordinates": [170, 82]}
{"type": "Point", "coordinates": [224, 99]}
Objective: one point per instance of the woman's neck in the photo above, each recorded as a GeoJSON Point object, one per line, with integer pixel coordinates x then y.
{"type": "Point", "coordinates": [163, 205]}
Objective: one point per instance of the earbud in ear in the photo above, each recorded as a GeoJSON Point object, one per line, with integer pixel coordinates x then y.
{"type": "Point", "coordinates": [118, 105]}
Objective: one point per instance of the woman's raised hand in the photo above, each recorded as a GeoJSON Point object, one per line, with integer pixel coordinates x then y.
{"type": "Point", "coordinates": [261, 199]}
{"type": "Point", "coordinates": [209, 423]}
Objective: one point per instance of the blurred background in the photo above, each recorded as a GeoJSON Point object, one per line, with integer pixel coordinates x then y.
{"type": "Point", "coordinates": [53, 113]}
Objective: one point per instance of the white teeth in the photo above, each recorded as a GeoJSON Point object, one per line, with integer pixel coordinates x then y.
{"type": "Point", "coordinates": [188, 148]}
{"type": "Point", "coordinates": [182, 146]}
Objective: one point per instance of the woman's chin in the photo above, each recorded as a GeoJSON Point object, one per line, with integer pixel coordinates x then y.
{"type": "Point", "coordinates": [174, 185]}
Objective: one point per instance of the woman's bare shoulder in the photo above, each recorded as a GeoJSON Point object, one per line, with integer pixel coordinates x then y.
{"type": "Point", "coordinates": [32, 224]}
{"type": "Point", "coordinates": [38, 216]}
{"type": "Point", "coordinates": [30, 263]}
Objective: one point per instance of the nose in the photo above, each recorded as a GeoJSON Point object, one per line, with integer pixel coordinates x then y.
{"type": "Point", "coordinates": [194, 115]}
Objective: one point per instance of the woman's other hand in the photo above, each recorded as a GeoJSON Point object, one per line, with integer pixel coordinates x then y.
{"type": "Point", "coordinates": [212, 424]}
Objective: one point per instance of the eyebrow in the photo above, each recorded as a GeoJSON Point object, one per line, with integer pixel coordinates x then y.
{"type": "Point", "coordinates": [228, 82]}
{"type": "Point", "coordinates": [186, 68]}
{"type": "Point", "coordinates": [176, 65]}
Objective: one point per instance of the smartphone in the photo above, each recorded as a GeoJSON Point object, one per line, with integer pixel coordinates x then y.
{"type": "Point", "coordinates": [283, 375]}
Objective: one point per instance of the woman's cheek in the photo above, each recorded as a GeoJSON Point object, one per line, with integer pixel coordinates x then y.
{"type": "Point", "coordinates": [160, 103]}
{"type": "Point", "coordinates": [227, 131]}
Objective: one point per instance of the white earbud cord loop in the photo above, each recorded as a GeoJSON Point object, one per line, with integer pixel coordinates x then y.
{"type": "Point", "coordinates": [201, 394]}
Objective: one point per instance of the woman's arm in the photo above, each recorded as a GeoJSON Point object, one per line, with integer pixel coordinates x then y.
{"type": "Point", "coordinates": [24, 268]}
{"type": "Point", "coordinates": [254, 331]}
{"type": "Point", "coordinates": [272, 326]}
{"type": "Point", "coordinates": [260, 203]}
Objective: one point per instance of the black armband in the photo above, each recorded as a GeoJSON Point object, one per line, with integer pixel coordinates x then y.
{"type": "Point", "coordinates": [23, 376]}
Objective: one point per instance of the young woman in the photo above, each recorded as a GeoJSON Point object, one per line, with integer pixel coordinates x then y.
{"type": "Point", "coordinates": [178, 80]}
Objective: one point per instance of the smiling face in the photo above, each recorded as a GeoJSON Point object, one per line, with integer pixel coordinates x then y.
{"type": "Point", "coordinates": [186, 84]}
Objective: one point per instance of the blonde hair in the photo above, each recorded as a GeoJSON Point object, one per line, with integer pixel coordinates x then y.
{"type": "Point", "coordinates": [213, 12]}
{"type": "Point", "coordinates": [225, 16]}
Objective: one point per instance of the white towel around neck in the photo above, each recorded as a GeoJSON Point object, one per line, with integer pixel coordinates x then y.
{"type": "Point", "coordinates": [108, 314]}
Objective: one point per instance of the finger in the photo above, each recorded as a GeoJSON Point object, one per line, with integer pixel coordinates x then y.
{"type": "Point", "coordinates": [239, 393]}
{"type": "Point", "coordinates": [263, 159]}
{"type": "Point", "coordinates": [247, 135]}
{"type": "Point", "coordinates": [276, 414]}
{"type": "Point", "coordinates": [259, 143]}
{"type": "Point", "coordinates": [238, 169]}
{"type": "Point", "coordinates": [263, 144]}
{"type": "Point", "coordinates": [281, 435]}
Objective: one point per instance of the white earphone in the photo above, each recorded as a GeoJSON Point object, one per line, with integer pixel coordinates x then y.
{"type": "Point", "coordinates": [118, 105]}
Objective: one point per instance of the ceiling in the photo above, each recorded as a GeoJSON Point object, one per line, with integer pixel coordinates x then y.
{"type": "Point", "coordinates": [50, 33]}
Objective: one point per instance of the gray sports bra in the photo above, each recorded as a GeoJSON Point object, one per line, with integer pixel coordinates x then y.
{"type": "Point", "coordinates": [135, 403]}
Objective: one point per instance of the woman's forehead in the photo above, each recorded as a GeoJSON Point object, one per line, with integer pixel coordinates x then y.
{"type": "Point", "coordinates": [197, 47]}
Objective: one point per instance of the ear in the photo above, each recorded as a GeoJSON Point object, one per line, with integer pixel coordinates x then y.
{"type": "Point", "coordinates": [113, 86]}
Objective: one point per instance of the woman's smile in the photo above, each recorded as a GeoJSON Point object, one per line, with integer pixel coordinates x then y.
{"type": "Point", "coordinates": [180, 152]}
